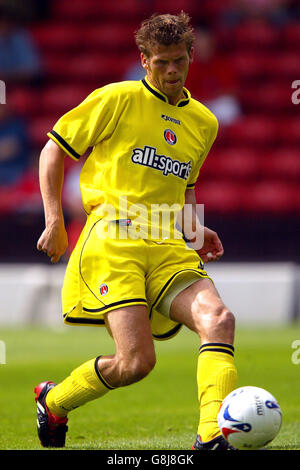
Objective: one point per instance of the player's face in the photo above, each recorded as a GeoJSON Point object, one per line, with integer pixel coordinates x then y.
{"type": "Point", "coordinates": [167, 68]}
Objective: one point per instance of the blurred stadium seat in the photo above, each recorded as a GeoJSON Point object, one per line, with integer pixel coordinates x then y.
{"type": "Point", "coordinates": [52, 37]}
{"type": "Point", "coordinates": [283, 163]}
{"type": "Point", "coordinates": [271, 197]}
{"type": "Point", "coordinates": [9, 199]}
{"type": "Point", "coordinates": [291, 36]}
{"type": "Point", "coordinates": [76, 10]}
{"type": "Point", "coordinates": [126, 9]}
{"type": "Point", "coordinates": [254, 165]}
{"type": "Point", "coordinates": [95, 68]}
{"type": "Point", "coordinates": [174, 6]}
{"type": "Point", "coordinates": [266, 98]}
{"type": "Point", "coordinates": [289, 130]}
{"type": "Point", "coordinates": [220, 196]}
{"type": "Point", "coordinates": [234, 163]}
{"type": "Point", "coordinates": [56, 66]}
{"type": "Point", "coordinates": [256, 34]}
{"type": "Point", "coordinates": [61, 98]}
{"type": "Point", "coordinates": [91, 10]}
{"type": "Point", "coordinates": [240, 163]}
{"type": "Point", "coordinates": [283, 65]}
{"type": "Point", "coordinates": [248, 65]}
{"type": "Point", "coordinates": [24, 101]}
{"type": "Point", "coordinates": [115, 37]}
{"type": "Point", "coordinates": [38, 128]}
{"type": "Point", "coordinates": [254, 129]}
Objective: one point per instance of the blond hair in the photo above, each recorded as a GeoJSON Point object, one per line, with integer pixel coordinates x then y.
{"type": "Point", "coordinates": [164, 29]}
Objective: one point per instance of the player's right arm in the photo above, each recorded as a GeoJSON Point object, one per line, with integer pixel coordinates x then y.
{"type": "Point", "coordinates": [53, 241]}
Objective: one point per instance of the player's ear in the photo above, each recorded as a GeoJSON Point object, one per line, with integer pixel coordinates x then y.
{"type": "Point", "coordinates": [144, 59]}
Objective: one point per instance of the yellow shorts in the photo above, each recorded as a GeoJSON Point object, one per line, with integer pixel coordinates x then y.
{"type": "Point", "coordinates": [104, 274]}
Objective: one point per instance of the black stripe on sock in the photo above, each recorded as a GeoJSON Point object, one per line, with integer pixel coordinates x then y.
{"type": "Point", "coordinates": [221, 350]}
{"type": "Point", "coordinates": [100, 376]}
{"type": "Point", "coordinates": [222, 345]}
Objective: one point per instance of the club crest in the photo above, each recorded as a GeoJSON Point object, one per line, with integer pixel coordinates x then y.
{"type": "Point", "coordinates": [170, 137]}
{"type": "Point", "coordinates": [103, 289]}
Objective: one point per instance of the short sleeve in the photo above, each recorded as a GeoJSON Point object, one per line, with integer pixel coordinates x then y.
{"type": "Point", "coordinates": [86, 125]}
{"type": "Point", "coordinates": [212, 132]}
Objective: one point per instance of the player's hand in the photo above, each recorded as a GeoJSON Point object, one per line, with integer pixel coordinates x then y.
{"type": "Point", "coordinates": [53, 241]}
{"type": "Point", "coordinates": [212, 249]}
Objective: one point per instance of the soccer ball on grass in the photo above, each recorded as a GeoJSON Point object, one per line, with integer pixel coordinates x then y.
{"type": "Point", "coordinates": [249, 418]}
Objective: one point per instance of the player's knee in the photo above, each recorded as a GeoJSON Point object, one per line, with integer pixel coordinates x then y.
{"type": "Point", "coordinates": [222, 323]}
{"type": "Point", "coordinates": [219, 319]}
{"type": "Point", "coordinates": [225, 320]}
{"type": "Point", "coordinates": [143, 366]}
{"type": "Point", "coordinates": [137, 367]}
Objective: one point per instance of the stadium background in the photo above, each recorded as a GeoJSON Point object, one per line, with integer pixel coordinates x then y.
{"type": "Point", "coordinates": [52, 55]}
{"type": "Point", "coordinates": [247, 58]}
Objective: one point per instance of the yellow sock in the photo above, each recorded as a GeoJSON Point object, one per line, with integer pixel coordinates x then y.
{"type": "Point", "coordinates": [84, 384]}
{"type": "Point", "coordinates": [216, 377]}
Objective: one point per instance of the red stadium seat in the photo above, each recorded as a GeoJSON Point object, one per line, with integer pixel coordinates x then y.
{"type": "Point", "coordinates": [289, 131]}
{"type": "Point", "coordinates": [253, 130]}
{"type": "Point", "coordinates": [92, 68]}
{"type": "Point", "coordinates": [274, 97]}
{"type": "Point", "coordinates": [268, 97]}
{"type": "Point", "coordinates": [38, 129]}
{"type": "Point", "coordinates": [24, 102]}
{"type": "Point", "coordinates": [54, 37]}
{"type": "Point", "coordinates": [248, 65]}
{"type": "Point", "coordinates": [271, 197]}
{"type": "Point", "coordinates": [234, 163]}
{"type": "Point", "coordinates": [56, 66]}
{"type": "Point", "coordinates": [291, 35]}
{"type": "Point", "coordinates": [256, 35]}
{"type": "Point", "coordinates": [209, 168]}
{"type": "Point", "coordinates": [175, 6]}
{"type": "Point", "coordinates": [284, 65]}
{"type": "Point", "coordinates": [110, 36]}
{"type": "Point", "coordinates": [219, 197]}
{"type": "Point", "coordinates": [97, 67]}
{"type": "Point", "coordinates": [215, 7]}
{"type": "Point", "coordinates": [91, 10]}
{"type": "Point", "coordinates": [125, 9]}
{"type": "Point", "coordinates": [76, 10]}
{"type": "Point", "coordinates": [283, 163]}
{"type": "Point", "coordinates": [238, 163]}
{"type": "Point", "coordinates": [61, 98]}
{"type": "Point", "coordinates": [24, 194]}
{"type": "Point", "coordinates": [10, 199]}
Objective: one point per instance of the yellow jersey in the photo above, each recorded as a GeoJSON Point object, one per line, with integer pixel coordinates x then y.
{"type": "Point", "coordinates": [144, 149]}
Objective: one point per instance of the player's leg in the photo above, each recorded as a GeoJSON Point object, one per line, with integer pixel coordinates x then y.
{"type": "Point", "coordinates": [201, 309]}
{"type": "Point", "coordinates": [135, 354]}
{"type": "Point", "coordinates": [133, 360]}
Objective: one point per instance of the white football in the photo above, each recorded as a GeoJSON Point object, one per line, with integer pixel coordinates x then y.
{"type": "Point", "coordinates": [249, 418]}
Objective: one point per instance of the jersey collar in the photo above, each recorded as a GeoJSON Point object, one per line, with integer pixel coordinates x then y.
{"type": "Point", "coordinates": [161, 96]}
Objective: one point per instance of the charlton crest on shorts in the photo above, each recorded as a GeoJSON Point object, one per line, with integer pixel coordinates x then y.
{"type": "Point", "coordinates": [103, 289]}
{"type": "Point", "coordinates": [170, 137]}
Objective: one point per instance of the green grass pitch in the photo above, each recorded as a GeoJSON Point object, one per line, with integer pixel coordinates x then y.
{"type": "Point", "coordinates": [160, 412]}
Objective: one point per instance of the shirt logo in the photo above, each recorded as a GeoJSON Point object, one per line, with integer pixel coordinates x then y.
{"type": "Point", "coordinates": [148, 157]}
{"type": "Point", "coordinates": [168, 118]}
{"type": "Point", "coordinates": [170, 137]}
{"type": "Point", "coordinates": [103, 289]}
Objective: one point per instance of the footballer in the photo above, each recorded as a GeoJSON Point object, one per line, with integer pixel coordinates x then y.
{"type": "Point", "coordinates": [149, 139]}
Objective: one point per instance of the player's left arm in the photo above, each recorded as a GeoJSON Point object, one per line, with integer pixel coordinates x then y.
{"type": "Point", "coordinates": [212, 248]}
